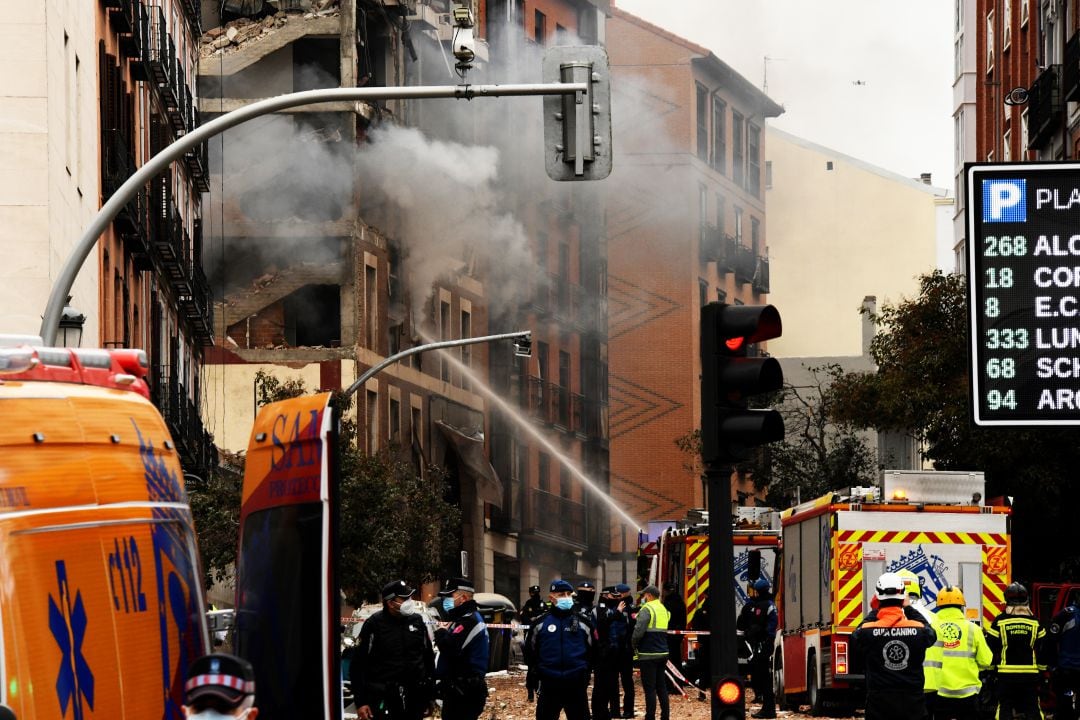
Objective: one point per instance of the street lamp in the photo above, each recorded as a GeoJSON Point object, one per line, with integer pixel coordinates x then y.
{"type": "Point", "coordinates": [71, 326]}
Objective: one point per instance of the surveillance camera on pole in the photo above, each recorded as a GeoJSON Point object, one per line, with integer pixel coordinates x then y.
{"type": "Point", "coordinates": [577, 128]}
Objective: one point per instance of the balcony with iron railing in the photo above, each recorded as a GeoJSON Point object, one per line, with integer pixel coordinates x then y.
{"type": "Point", "coordinates": [117, 165]}
{"type": "Point", "coordinates": [555, 406]}
{"type": "Point", "coordinates": [1045, 108]}
{"type": "Point", "coordinates": [168, 236]}
{"type": "Point", "coordinates": [761, 275]}
{"type": "Point", "coordinates": [197, 306]}
{"type": "Point", "coordinates": [558, 518]}
{"type": "Point", "coordinates": [1070, 70]}
{"type": "Point", "coordinates": [710, 244]}
{"type": "Point", "coordinates": [745, 264]}
{"type": "Point", "coordinates": [165, 72]}
{"type": "Point", "coordinates": [194, 444]}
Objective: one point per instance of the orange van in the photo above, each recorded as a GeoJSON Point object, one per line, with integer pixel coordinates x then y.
{"type": "Point", "coordinates": [101, 604]}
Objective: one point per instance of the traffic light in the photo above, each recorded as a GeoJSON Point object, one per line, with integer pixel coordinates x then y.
{"type": "Point", "coordinates": [729, 699]}
{"type": "Point", "coordinates": [729, 429]}
{"type": "Point", "coordinates": [577, 127]}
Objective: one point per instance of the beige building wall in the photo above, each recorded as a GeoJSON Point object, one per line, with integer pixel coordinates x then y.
{"type": "Point", "coordinates": [839, 230]}
{"type": "Point", "coordinates": [49, 176]}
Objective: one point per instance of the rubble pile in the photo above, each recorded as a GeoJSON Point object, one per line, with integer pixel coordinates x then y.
{"type": "Point", "coordinates": [236, 33]}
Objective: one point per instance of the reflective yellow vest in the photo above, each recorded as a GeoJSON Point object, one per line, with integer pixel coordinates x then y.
{"type": "Point", "coordinates": [952, 664]}
{"type": "Point", "coordinates": [654, 644]}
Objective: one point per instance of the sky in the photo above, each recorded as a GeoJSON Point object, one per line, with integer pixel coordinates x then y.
{"type": "Point", "coordinates": [867, 78]}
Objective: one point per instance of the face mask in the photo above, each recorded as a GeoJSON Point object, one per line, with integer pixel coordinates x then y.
{"type": "Point", "coordinates": [214, 715]}
{"type": "Point", "coordinates": [448, 604]}
{"type": "Point", "coordinates": [586, 596]}
{"type": "Point", "coordinates": [408, 607]}
{"type": "Point", "coordinates": [564, 603]}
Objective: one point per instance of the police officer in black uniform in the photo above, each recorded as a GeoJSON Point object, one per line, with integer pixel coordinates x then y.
{"type": "Point", "coordinates": [611, 632]}
{"type": "Point", "coordinates": [464, 649]}
{"type": "Point", "coordinates": [625, 659]}
{"type": "Point", "coordinates": [393, 664]}
{"type": "Point", "coordinates": [531, 611]}
{"type": "Point", "coordinates": [758, 620]}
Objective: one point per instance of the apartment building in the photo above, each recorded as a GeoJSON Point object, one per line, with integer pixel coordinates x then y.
{"type": "Point", "coordinates": [94, 89]}
{"type": "Point", "coordinates": [686, 226]}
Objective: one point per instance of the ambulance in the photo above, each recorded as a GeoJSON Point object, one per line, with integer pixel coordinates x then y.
{"type": "Point", "coordinates": [934, 524]}
{"type": "Point", "coordinates": [101, 603]}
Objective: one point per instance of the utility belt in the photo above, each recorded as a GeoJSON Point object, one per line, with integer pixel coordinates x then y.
{"type": "Point", "coordinates": [464, 685]}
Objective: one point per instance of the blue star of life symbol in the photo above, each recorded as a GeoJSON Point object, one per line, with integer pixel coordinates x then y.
{"type": "Point", "coordinates": [67, 621]}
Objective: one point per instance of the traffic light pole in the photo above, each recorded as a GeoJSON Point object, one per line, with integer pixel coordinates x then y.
{"type": "Point", "coordinates": [723, 657]}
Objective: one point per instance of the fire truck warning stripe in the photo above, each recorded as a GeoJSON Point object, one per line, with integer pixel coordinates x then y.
{"type": "Point", "coordinates": [907, 536]}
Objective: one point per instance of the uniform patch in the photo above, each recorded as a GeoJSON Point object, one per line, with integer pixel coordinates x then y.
{"type": "Point", "coordinates": [895, 654]}
{"type": "Point", "coordinates": [950, 634]}
{"type": "Point", "coordinates": [551, 628]}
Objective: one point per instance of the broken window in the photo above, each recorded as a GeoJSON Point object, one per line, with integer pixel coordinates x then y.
{"type": "Point", "coordinates": [313, 316]}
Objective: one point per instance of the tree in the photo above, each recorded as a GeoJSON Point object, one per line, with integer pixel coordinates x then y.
{"type": "Point", "coordinates": [817, 454]}
{"type": "Point", "coordinates": [395, 519]}
{"type": "Point", "coordinates": [921, 385]}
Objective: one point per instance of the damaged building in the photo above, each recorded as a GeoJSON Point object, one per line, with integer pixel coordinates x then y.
{"type": "Point", "coordinates": [313, 276]}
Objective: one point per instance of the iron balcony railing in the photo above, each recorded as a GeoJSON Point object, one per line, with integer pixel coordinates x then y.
{"type": "Point", "coordinates": [166, 73]}
{"type": "Point", "coordinates": [197, 306]}
{"type": "Point", "coordinates": [556, 406]}
{"type": "Point", "coordinates": [559, 518]}
{"type": "Point", "coordinates": [710, 244]}
{"type": "Point", "coordinates": [117, 165]}
{"type": "Point", "coordinates": [1070, 70]}
{"type": "Point", "coordinates": [745, 264]}
{"type": "Point", "coordinates": [761, 275]}
{"type": "Point", "coordinates": [1045, 109]}
{"type": "Point", "coordinates": [194, 444]}
{"type": "Point", "coordinates": [171, 243]}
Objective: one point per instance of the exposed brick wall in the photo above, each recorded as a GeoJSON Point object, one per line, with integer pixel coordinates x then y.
{"type": "Point", "coordinates": [265, 329]}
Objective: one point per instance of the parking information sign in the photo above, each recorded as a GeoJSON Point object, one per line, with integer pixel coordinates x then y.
{"type": "Point", "coordinates": [1024, 293]}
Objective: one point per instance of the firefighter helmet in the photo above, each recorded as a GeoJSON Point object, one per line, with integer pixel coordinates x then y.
{"type": "Point", "coordinates": [911, 582]}
{"type": "Point", "coordinates": [951, 596]}
{"type": "Point", "coordinates": [890, 586]}
{"type": "Point", "coordinates": [1016, 594]}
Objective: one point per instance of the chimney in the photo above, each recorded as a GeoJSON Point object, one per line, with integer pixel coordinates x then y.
{"type": "Point", "coordinates": [869, 306]}
{"type": "Point", "coordinates": [925, 177]}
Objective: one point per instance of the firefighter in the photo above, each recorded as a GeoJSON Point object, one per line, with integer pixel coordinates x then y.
{"type": "Point", "coordinates": [531, 611]}
{"type": "Point", "coordinates": [1064, 636]}
{"type": "Point", "coordinates": [1016, 639]}
{"type": "Point", "coordinates": [651, 652]}
{"type": "Point", "coordinates": [464, 650]}
{"type": "Point", "coordinates": [393, 663]}
{"type": "Point", "coordinates": [757, 620]}
{"type": "Point", "coordinates": [956, 658]}
{"type": "Point", "coordinates": [562, 645]}
{"type": "Point", "coordinates": [892, 647]}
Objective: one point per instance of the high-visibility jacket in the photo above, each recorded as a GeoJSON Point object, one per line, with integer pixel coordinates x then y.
{"type": "Point", "coordinates": [1017, 644]}
{"type": "Point", "coordinates": [650, 631]}
{"type": "Point", "coordinates": [955, 659]}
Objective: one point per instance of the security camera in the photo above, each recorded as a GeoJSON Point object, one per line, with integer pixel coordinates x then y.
{"type": "Point", "coordinates": [464, 45]}
{"type": "Point", "coordinates": [523, 347]}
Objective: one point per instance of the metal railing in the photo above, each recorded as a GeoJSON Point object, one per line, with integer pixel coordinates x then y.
{"type": "Point", "coordinates": [761, 275]}
{"type": "Point", "coordinates": [558, 517]}
{"type": "Point", "coordinates": [1045, 109]}
{"type": "Point", "coordinates": [745, 264]}
{"type": "Point", "coordinates": [1070, 70]}
{"type": "Point", "coordinates": [556, 406]}
{"type": "Point", "coordinates": [167, 74]}
{"type": "Point", "coordinates": [193, 443]}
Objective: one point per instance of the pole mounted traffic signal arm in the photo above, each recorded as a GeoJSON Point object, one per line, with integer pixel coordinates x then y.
{"type": "Point", "coordinates": [729, 428]}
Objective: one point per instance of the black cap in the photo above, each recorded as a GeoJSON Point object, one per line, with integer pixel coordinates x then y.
{"type": "Point", "coordinates": [6, 713]}
{"type": "Point", "coordinates": [585, 585]}
{"type": "Point", "coordinates": [396, 589]}
{"type": "Point", "coordinates": [220, 675]}
{"type": "Point", "coordinates": [454, 584]}
{"type": "Point", "coordinates": [534, 588]}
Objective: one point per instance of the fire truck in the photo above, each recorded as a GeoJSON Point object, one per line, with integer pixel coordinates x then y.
{"type": "Point", "coordinates": [101, 602]}
{"type": "Point", "coordinates": [681, 554]}
{"type": "Point", "coordinates": [934, 524]}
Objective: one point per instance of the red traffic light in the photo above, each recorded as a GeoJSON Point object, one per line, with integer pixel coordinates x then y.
{"type": "Point", "coordinates": [729, 692]}
{"type": "Point", "coordinates": [735, 344]}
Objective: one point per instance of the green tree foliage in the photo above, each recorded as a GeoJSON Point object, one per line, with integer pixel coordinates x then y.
{"type": "Point", "coordinates": [922, 386]}
{"type": "Point", "coordinates": [395, 520]}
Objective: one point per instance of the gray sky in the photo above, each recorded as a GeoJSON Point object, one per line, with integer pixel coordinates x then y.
{"type": "Point", "coordinates": [899, 117]}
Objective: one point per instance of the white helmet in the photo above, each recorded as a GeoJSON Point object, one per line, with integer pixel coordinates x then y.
{"type": "Point", "coordinates": [890, 586]}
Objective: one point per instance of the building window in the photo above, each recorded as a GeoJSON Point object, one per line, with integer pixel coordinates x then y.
{"type": "Point", "coordinates": [1006, 24]}
{"type": "Point", "coordinates": [564, 388]}
{"type": "Point", "coordinates": [738, 225]}
{"type": "Point", "coordinates": [738, 149]}
{"type": "Point", "coordinates": [372, 415]}
{"type": "Point", "coordinates": [1006, 149]}
{"type": "Point", "coordinates": [989, 42]}
{"type": "Point", "coordinates": [958, 21]}
{"type": "Point", "coordinates": [768, 174]}
{"type": "Point", "coordinates": [539, 27]}
{"type": "Point", "coordinates": [755, 236]}
{"type": "Point", "coordinates": [703, 292]}
{"type": "Point", "coordinates": [721, 215]}
{"type": "Point", "coordinates": [958, 138]}
{"type": "Point", "coordinates": [719, 140]}
{"type": "Point", "coordinates": [395, 421]}
{"type": "Point", "coordinates": [1024, 131]}
{"type": "Point", "coordinates": [753, 158]}
{"type": "Point", "coordinates": [703, 204]}
{"type": "Point", "coordinates": [1024, 13]}
{"type": "Point", "coordinates": [444, 331]}
{"type": "Point", "coordinates": [958, 56]}
{"type": "Point", "coordinates": [702, 122]}
{"type": "Point", "coordinates": [566, 485]}
{"type": "Point", "coordinates": [561, 36]}
{"type": "Point", "coordinates": [543, 474]}
{"type": "Point", "coordinates": [466, 350]}
{"type": "Point", "coordinates": [371, 309]}
{"type": "Point", "coordinates": [542, 249]}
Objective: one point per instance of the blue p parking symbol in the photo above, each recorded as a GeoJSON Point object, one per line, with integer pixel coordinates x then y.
{"type": "Point", "coordinates": [1004, 201]}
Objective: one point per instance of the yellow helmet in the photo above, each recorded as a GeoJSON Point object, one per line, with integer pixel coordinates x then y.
{"type": "Point", "coordinates": [911, 582]}
{"type": "Point", "coordinates": [951, 597]}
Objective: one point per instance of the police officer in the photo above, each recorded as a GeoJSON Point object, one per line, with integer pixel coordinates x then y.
{"type": "Point", "coordinates": [464, 650]}
{"type": "Point", "coordinates": [651, 652]}
{"type": "Point", "coordinates": [393, 663]}
{"type": "Point", "coordinates": [611, 631]}
{"type": "Point", "coordinates": [892, 648]}
{"type": "Point", "coordinates": [956, 658]}
{"type": "Point", "coordinates": [584, 596]}
{"type": "Point", "coordinates": [562, 645]}
{"type": "Point", "coordinates": [531, 611]}
{"type": "Point", "coordinates": [626, 655]}
{"type": "Point", "coordinates": [757, 620]}
{"type": "Point", "coordinates": [1016, 639]}
{"type": "Point", "coordinates": [218, 686]}
{"type": "Point", "coordinates": [1064, 635]}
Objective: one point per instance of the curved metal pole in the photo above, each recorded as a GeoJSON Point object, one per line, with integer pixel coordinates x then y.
{"type": "Point", "coordinates": [50, 322]}
{"type": "Point", "coordinates": [369, 373]}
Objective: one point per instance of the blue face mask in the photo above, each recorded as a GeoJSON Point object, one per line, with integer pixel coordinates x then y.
{"type": "Point", "coordinates": [447, 604]}
{"type": "Point", "coordinates": [564, 603]}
